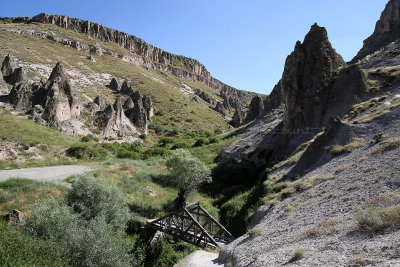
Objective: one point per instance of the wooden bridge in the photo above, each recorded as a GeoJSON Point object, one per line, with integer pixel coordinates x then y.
{"type": "Point", "coordinates": [194, 225]}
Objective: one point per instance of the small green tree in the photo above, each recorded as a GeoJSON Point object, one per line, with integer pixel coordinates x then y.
{"type": "Point", "coordinates": [188, 173]}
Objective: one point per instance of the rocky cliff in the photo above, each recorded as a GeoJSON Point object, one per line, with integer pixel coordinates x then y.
{"type": "Point", "coordinates": [308, 72]}
{"type": "Point", "coordinates": [152, 57]}
{"type": "Point", "coordinates": [387, 30]}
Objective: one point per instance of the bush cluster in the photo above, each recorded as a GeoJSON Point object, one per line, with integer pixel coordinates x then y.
{"type": "Point", "coordinates": [89, 225]}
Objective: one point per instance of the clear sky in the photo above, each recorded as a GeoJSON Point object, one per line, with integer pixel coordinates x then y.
{"type": "Point", "coordinates": [242, 43]}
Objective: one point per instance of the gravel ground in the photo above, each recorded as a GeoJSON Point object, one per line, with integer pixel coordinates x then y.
{"type": "Point", "coordinates": [53, 173]}
{"type": "Point", "coordinates": [320, 220]}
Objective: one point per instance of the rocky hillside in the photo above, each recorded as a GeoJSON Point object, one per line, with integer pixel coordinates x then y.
{"type": "Point", "coordinates": [331, 194]}
{"type": "Point", "coordinates": [109, 74]}
{"type": "Point", "coordinates": [316, 84]}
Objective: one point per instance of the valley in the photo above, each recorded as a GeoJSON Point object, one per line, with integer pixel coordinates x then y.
{"type": "Point", "coordinates": [305, 176]}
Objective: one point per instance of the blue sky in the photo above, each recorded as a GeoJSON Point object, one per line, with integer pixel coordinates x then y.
{"type": "Point", "coordinates": [242, 43]}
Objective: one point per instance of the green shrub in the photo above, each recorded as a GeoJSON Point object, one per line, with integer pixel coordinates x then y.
{"type": "Point", "coordinates": [218, 131]}
{"type": "Point", "coordinates": [181, 144]}
{"type": "Point", "coordinates": [86, 243]}
{"type": "Point", "coordinates": [143, 136]}
{"type": "Point", "coordinates": [94, 198]}
{"type": "Point", "coordinates": [155, 151]}
{"type": "Point", "coordinates": [86, 151]}
{"type": "Point", "coordinates": [89, 225]}
{"type": "Point", "coordinates": [88, 138]}
{"type": "Point", "coordinates": [375, 220]}
{"type": "Point", "coordinates": [159, 113]}
{"type": "Point", "coordinates": [237, 212]}
{"type": "Point", "coordinates": [156, 127]}
{"type": "Point", "coordinates": [167, 252]}
{"type": "Point", "coordinates": [128, 155]}
{"type": "Point", "coordinates": [213, 140]}
{"type": "Point", "coordinates": [19, 249]}
{"type": "Point", "coordinates": [201, 141]}
{"type": "Point", "coordinates": [163, 141]}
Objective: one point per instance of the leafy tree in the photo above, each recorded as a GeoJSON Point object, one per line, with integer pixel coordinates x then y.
{"type": "Point", "coordinates": [188, 173]}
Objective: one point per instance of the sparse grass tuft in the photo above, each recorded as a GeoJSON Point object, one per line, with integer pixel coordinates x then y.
{"type": "Point", "coordinates": [254, 232]}
{"type": "Point", "coordinates": [354, 144]}
{"type": "Point", "coordinates": [381, 214]}
{"type": "Point", "coordinates": [298, 255]}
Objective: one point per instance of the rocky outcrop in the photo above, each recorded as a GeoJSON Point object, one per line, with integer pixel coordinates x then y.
{"type": "Point", "coordinates": [197, 100]}
{"type": "Point", "coordinates": [128, 104]}
{"type": "Point", "coordinates": [18, 76]}
{"type": "Point", "coordinates": [3, 86]}
{"type": "Point", "coordinates": [114, 85]}
{"type": "Point", "coordinates": [54, 99]}
{"type": "Point", "coordinates": [101, 102]}
{"type": "Point", "coordinates": [205, 97]}
{"type": "Point", "coordinates": [387, 30]}
{"type": "Point", "coordinates": [126, 89]}
{"type": "Point", "coordinates": [315, 86]}
{"type": "Point", "coordinates": [11, 73]}
{"type": "Point", "coordinates": [148, 106]}
{"type": "Point", "coordinates": [138, 115]}
{"type": "Point", "coordinates": [21, 96]}
{"type": "Point", "coordinates": [308, 73]}
{"type": "Point", "coordinates": [220, 109]}
{"type": "Point", "coordinates": [256, 108]}
{"type": "Point", "coordinates": [237, 118]}
{"type": "Point", "coordinates": [274, 99]}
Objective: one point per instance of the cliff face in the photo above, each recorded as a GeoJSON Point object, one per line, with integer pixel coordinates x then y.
{"type": "Point", "coordinates": [387, 30]}
{"type": "Point", "coordinates": [153, 57]}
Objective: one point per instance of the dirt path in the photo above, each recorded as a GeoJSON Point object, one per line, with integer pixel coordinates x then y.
{"type": "Point", "coordinates": [53, 173]}
{"type": "Point", "coordinates": [200, 258]}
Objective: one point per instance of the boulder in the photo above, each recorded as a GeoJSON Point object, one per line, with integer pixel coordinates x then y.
{"type": "Point", "coordinates": [8, 67]}
{"type": "Point", "coordinates": [91, 58]}
{"type": "Point", "coordinates": [97, 49]}
{"type": "Point", "coordinates": [15, 217]}
{"type": "Point", "coordinates": [114, 85]}
{"type": "Point", "coordinates": [197, 100]}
